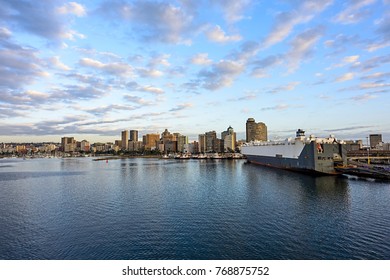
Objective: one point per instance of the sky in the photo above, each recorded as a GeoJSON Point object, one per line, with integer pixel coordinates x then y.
{"type": "Point", "coordinates": [90, 69]}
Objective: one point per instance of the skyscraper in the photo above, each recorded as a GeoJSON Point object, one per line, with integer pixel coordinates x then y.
{"type": "Point", "coordinates": [211, 142]}
{"type": "Point", "coordinates": [255, 131]}
{"type": "Point", "coordinates": [133, 135]}
{"type": "Point", "coordinates": [229, 138]}
{"type": "Point", "coordinates": [202, 143]}
{"type": "Point", "coordinates": [125, 139]}
{"type": "Point", "coordinates": [150, 141]}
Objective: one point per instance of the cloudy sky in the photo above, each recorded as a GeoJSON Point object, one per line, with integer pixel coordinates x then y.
{"type": "Point", "coordinates": [91, 69]}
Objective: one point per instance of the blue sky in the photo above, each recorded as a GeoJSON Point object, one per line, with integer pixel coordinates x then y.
{"type": "Point", "coordinates": [91, 69]}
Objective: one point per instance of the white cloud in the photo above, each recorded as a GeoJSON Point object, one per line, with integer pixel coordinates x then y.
{"type": "Point", "coordinates": [222, 74]}
{"type": "Point", "coordinates": [286, 21]}
{"type": "Point", "coordinates": [115, 68]}
{"type": "Point", "coordinates": [233, 10]}
{"type": "Point", "coordinates": [151, 89]}
{"type": "Point", "coordinates": [280, 107]}
{"type": "Point", "coordinates": [151, 73]}
{"type": "Point", "coordinates": [353, 12]}
{"type": "Point", "coordinates": [201, 59]}
{"type": "Point", "coordinates": [154, 21]}
{"type": "Point", "coordinates": [216, 34]}
{"type": "Point", "coordinates": [181, 107]}
{"type": "Point", "coordinates": [72, 8]}
{"type": "Point", "coordinates": [138, 100]}
{"type": "Point", "coordinates": [351, 59]}
{"type": "Point", "coordinates": [55, 61]}
{"type": "Point", "coordinates": [301, 47]}
{"type": "Point", "coordinates": [364, 97]}
{"type": "Point", "coordinates": [345, 77]}
{"type": "Point", "coordinates": [5, 32]}
{"type": "Point", "coordinates": [290, 86]}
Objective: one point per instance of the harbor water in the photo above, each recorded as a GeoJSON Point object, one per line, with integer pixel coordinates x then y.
{"type": "Point", "coordinates": [77, 208]}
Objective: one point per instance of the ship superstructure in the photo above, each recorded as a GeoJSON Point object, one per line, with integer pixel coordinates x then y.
{"type": "Point", "coordinates": [306, 154]}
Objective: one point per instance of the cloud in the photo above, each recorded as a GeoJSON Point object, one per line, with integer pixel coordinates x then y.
{"type": "Point", "coordinates": [341, 43]}
{"type": "Point", "coordinates": [5, 33]}
{"type": "Point", "coordinates": [138, 100]}
{"type": "Point", "coordinates": [290, 86]}
{"type": "Point", "coordinates": [345, 77]}
{"type": "Point", "coordinates": [346, 61]}
{"type": "Point", "coordinates": [286, 21]}
{"type": "Point", "coordinates": [221, 74]}
{"type": "Point", "coordinates": [19, 66]}
{"type": "Point", "coordinates": [39, 17]}
{"type": "Point", "coordinates": [302, 47]}
{"type": "Point", "coordinates": [103, 110]}
{"type": "Point", "coordinates": [372, 63]}
{"type": "Point", "coordinates": [248, 96]}
{"type": "Point", "coordinates": [144, 88]}
{"type": "Point", "coordinates": [159, 60]}
{"type": "Point", "coordinates": [246, 52]}
{"type": "Point", "coordinates": [114, 68]}
{"type": "Point", "coordinates": [74, 93]}
{"type": "Point", "coordinates": [153, 21]}
{"type": "Point", "coordinates": [354, 13]}
{"type": "Point", "coordinates": [149, 73]}
{"type": "Point", "coordinates": [364, 97]}
{"type": "Point", "coordinates": [201, 59]}
{"type": "Point", "coordinates": [383, 30]}
{"type": "Point", "coordinates": [377, 75]}
{"type": "Point", "coordinates": [280, 107]}
{"type": "Point", "coordinates": [216, 34]}
{"type": "Point", "coordinates": [55, 61]}
{"type": "Point", "coordinates": [348, 128]}
{"type": "Point", "coordinates": [72, 8]}
{"type": "Point", "coordinates": [261, 66]}
{"type": "Point", "coordinates": [373, 85]}
{"type": "Point", "coordinates": [181, 107]}
{"type": "Point", "coordinates": [233, 10]}
{"type": "Point", "coordinates": [351, 59]}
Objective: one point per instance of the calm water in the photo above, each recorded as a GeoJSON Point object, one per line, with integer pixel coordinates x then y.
{"type": "Point", "coordinates": [166, 209]}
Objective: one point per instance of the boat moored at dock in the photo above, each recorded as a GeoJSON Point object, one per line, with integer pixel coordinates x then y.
{"type": "Point", "coordinates": [304, 154]}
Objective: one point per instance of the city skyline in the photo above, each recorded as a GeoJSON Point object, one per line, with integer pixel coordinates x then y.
{"type": "Point", "coordinates": [91, 69]}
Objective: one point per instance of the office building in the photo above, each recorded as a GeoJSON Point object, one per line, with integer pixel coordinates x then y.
{"type": "Point", "coordinates": [202, 143]}
{"type": "Point", "coordinates": [134, 135]}
{"type": "Point", "coordinates": [150, 141]}
{"type": "Point", "coordinates": [229, 138]}
{"type": "Point", "coordinates": [211, 141]}
{"type": "Point", "coordinates": [375, 139]}
{"type": "Point", "coordinates": [125, 140]}
{"type": "Point", "coordinates": [255, 131]}
{"type": "Point", "coordinates": [68, 144]}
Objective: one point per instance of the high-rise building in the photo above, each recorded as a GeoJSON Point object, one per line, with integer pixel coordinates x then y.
{"type": "Point", "coordinates": [255, 131]}
{"type": "Point", "coordinates": [181, 142]}
{"type": "Point", "coordinates": [375, 139]}
{"type": "Point", "coordinates": [125, 140]}
{"type": "Point", "coordinates": [167, 136]}
{"type": "Point", "coordinates": [202, 143]}
{"type": "Point", "coordinates": [134, 135]}
{"type": "Point", "coordinates": [211, 142]}
{"type": "Point", "coordinates": [150, 141]}
{"type": "Point", "coordinates": [229, 138]}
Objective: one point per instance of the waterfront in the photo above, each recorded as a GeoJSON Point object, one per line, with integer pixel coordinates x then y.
{"type": "Point", "coordinates": [138, 208]}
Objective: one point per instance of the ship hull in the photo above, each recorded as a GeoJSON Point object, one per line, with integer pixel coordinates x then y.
{"type": "Point", "coordinates": [309, 160]}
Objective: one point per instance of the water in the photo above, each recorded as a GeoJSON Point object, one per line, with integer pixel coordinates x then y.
{"type": "Point", "coordinates": [167, 209]}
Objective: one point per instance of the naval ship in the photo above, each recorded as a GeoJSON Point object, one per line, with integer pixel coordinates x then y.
{"type": "Point", "coordinates": [303, 154]}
